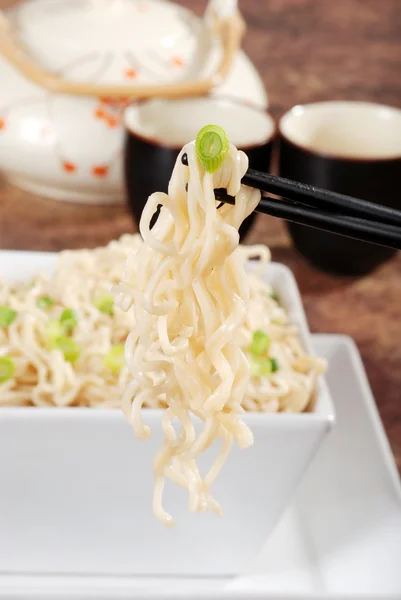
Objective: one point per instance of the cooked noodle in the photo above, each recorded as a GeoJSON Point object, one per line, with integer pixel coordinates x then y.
{"type": "Point", "coordinates": [190, 296]}
{"type": "Point", "coordinates": [42, 376]}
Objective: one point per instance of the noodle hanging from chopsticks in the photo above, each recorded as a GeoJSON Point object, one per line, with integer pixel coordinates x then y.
{"type": "Point", "coordinates": [190, 300]}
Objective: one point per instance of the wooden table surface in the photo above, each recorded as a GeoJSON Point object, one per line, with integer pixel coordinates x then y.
{"type": "Point", "coordinates": [305, 50]}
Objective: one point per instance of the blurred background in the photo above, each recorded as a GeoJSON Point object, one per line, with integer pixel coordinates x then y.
{"type": "Point", "coordinates": [304, 51]}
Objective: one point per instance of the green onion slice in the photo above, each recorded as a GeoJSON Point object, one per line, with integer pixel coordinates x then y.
{"type": "Point", "coordinates": [211, 147]}
{"type": "Point", "coordinates": [53, 330]}
{"type": "Point", "coordinates": [114, 359]}
{"type": "Point", "coordinates": [7, 316]}
{"type": "Point", "coordinates": [68, 320]}
{"type": "Point", "coordinates": [7, 368]}
{"type": "Point", "coordinates": [260, 366]}
{"type": "Point", "coordinates": [44, 302]}
{"type": "Point", "coordinates": [274, 364]}
{"type": "Point", "coordinates": [105, 303]}
{"type": "Point", "coordinates": [68, 347]}
{"type": "Point", "coordinates": [260, 343]}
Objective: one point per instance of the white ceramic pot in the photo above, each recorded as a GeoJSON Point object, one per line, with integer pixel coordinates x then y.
{"type": "Point", "coordinates": [69, 68]}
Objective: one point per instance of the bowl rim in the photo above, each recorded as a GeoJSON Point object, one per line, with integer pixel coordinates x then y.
{"type": "Point", "coordinates": [218, 99]}
{"type": "Point", "coordinates": [284, 137]}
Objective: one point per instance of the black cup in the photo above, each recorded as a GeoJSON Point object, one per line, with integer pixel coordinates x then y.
{"type": "Point", "coordinates": [158, 129]}
{"type": "Point", "coordinates": [348, 147]}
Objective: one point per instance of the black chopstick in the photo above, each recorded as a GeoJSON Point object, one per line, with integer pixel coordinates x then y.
{"type": "Point", "coordinates": [365, 230]}
{"type": "Point", "coordinates": [326, 214]}
{"type": "Point", "coordinates": [321, 198]}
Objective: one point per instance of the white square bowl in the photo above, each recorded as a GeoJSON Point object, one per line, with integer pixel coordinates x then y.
{"type": "Point", "coordinates": [76, 485]}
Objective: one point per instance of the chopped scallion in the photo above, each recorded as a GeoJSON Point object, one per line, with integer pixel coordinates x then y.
{"type": "Point", "coordinates": [274, 296]}
{"type": "Point", "coordinates": [260, 366]}
{"type": "Point", "coordinates": [211, 147]}
{"type": "Point", "coordinates": [274, 364]}
{"type": "Point", "coordinates": [7, 368]}
{"type": "Point", "coordinates": [260, 343]}
{"type": "Point", "coordinates": [68, 320]}
{"type": "Point", "coordinates": [53, 330]}
{"type": "Point", "coordinates": [44, 302]}
{"type": "Point", "coordinates": [114, 359]}
{"type": "Point", "coordinates": [68, 347]}
{"type": "Point", "coordinates": [105, 303]}
{"type": "Point", "coordinates": [7, 316]}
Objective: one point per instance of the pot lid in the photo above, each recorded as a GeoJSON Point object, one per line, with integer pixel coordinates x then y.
{"type": "Point", "coordinates": [114, 40]}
